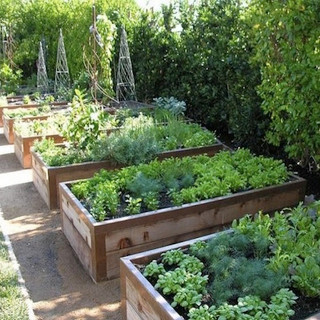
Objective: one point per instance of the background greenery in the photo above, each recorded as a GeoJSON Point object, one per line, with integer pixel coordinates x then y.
{"type": "Point", "coordinates": [249, 72]}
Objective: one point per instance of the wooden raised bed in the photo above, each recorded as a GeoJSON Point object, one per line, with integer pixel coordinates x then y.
{"type": "Point", "coordinates": [9, 122]}
{"type": "Point", "coordinates": [99, 245]}
{"type": "Point", "coordinates": [46, 179]}
{"type": "Point", "coordinates": [139, 299]}
{"type": "Point", "coordinates": [26, 106]}
{"type": "Point", "coordinates": [22, 146]}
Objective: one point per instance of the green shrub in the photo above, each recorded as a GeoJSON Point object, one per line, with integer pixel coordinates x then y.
{"type": "Point", "coordinates": [9, 78]}
{"type": "Point", "coordinates": [286, 47]}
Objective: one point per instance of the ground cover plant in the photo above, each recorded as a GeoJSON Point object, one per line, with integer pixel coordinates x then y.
{"type": "Point", "coordinates": [12, 303]}
{"type": "Point", "coordinates": [260, 270]}
{"type": "Point", "coordinates": [175, 181]}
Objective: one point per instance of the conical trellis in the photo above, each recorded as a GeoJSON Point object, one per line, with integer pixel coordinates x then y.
{"type": "Point", "coordinates": [3, 42]}
{"type": "Point", "coordinates": [62, 78]}
{"type": "Point", "coordinates": [42, 78]}
{"type": "Point", "coordinates": [7, 45]}
{"type": "Point", "coordinates": [125, 80]}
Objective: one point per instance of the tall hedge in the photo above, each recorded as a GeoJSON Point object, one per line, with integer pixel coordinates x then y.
{"type": "Point", "coordinates": [241, 69]}
{"type": "Point", "coordinates": [206, 63]}
{"type": "Point", "coordinates": [287, 48]}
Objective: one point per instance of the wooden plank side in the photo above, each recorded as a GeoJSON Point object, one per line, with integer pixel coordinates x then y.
{"type": "Point", "coordinates": [179, 153]}
{"type": "Point", "coordinates": [137, 305]}
{"type": "Point", "coordinates": [80, 247]}
{"type": "Point", "coordinates": [18, 148]}
{"type": "Point", "coordinates": [196, 220]}
{"type": "Point", "coordinates": [7, 128]}
{"type": "Point", "coordinates": [151, 217]}
{"type": "Point", "coordinates": [40, 179]}
{"type": "Point", "coordinates": [132, 314]}
{"type": "Point", "coordinates": [77, 222]}
{"type": "Point", "coordinates": [40, 184]}
{"type": "Point", "coordinates": [113, 258]}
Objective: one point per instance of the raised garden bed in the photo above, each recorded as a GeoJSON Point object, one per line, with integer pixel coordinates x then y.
{"type": "Point", "coordinates": [99, 245]}
{"type": "Point", "coordinates": [9, 122]}
{"type": "Point", "coordinates": [46, 178]}
{"type": "Point", "coordinates": [140, 299]}
{"type": "Point", "coordinates": [25, 106]}
{"type": "Point", "coordinates": [22, 147]}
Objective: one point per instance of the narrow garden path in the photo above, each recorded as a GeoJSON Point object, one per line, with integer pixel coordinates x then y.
{"type": "Point", "coordinates": [57, 284]}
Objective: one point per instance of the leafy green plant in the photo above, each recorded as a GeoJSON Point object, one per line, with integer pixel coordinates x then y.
{"type": "Point", "coordinates": [173, 257]}
{"type": "Point", "coordinates": [85, 122]}
{"type": "Point", "coordinates": [106, 200]}
{"type": "Point", "coordinates": [54, 155]}
{"type": "Point", "coordinates": [307, 278]}
{"type": "Point", "coordinates": [175, 181]}
{"type": "Point", "coordinates": [150, 199]}
{"type": "Point", "coordinates": [133, 205]}
{"type": "Point", "coordinates": [9, 78]}
{"type": "Point", "coordinates": [285, 40]}
{"type": "Point", "coordinates": [26, 99]}
{"type": "Point", "coordinates": [294, 243]}
{"type": "Point", "coordinates": [153, 270]}
{"type": "Point", "coordinates": [203, 312]}
{"type": "Point", "coordinates": [175, 106]}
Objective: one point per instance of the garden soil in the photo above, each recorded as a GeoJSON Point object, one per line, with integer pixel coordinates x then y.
{"type": "Point", "coordinates": [57, 284]}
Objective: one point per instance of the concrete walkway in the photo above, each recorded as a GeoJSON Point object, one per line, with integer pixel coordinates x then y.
{"type": "Point", "coordinates": [57, 284]}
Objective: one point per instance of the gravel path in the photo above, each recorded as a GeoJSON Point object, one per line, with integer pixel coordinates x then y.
{"type": "Point", "coordinates": [57, 284]}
